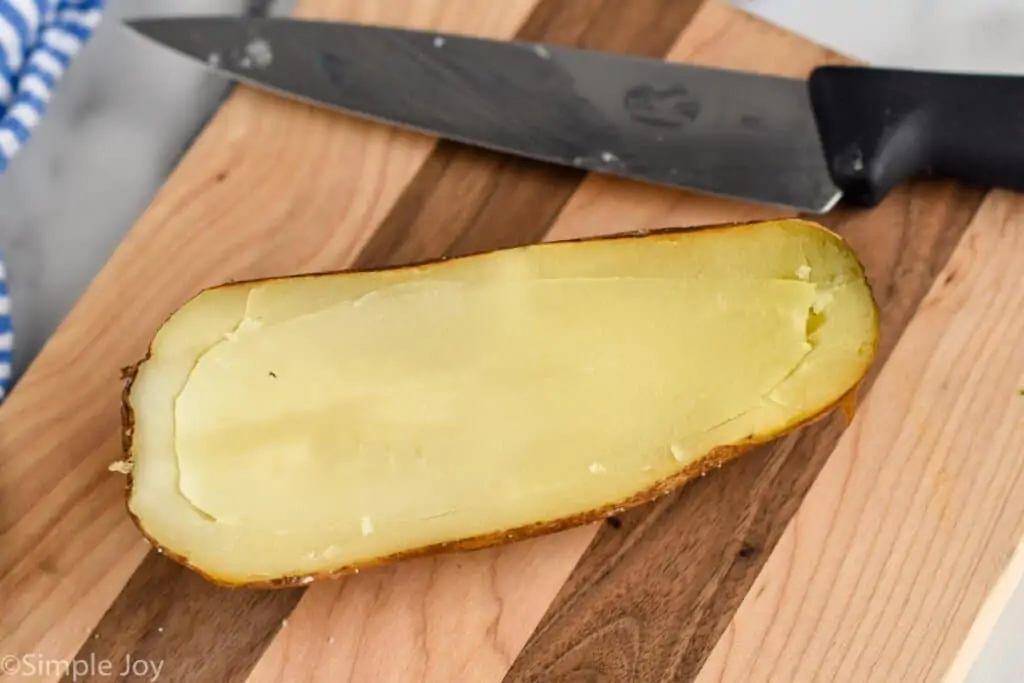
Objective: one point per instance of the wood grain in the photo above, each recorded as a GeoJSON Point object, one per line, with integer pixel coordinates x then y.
{"type": "Point", "coordinates": [454, 618]}
{"type": "Point", "coordinates": [170, 625]}
{"type": "Point", "coordinates": [916, 515]}
{"type": "Point", "coordinates": [66, 545]}
{"type": "Point", "coordinates": [643, 598]}
{"type": "Point", "coordinates": [648, 601]}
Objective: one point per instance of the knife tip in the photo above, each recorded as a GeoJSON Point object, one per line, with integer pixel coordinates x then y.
{"type": "Point", "coordinates": [183, 34]}
{"type": "Point", "coordinates": [144, 26]}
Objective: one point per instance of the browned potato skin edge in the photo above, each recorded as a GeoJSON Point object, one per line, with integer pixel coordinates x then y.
{"type": "Point", "coordinates": [710, 461]}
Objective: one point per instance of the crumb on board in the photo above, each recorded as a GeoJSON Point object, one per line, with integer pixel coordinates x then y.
{"type": "Point", "coordinates": [122, 466]}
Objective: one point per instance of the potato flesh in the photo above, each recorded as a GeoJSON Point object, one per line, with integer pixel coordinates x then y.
{"type": "Point", "coordinates": [329, 421]}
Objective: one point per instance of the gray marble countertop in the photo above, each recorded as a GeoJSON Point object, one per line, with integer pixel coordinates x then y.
{"type": "Point", "coordinates": [112, 134]}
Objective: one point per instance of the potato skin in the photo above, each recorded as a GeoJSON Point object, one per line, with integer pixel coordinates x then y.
{"type": "Point", "coordinates": [710, 461]}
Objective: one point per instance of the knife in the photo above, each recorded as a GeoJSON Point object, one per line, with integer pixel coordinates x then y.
{"type": "Point", "coordinates": [846, 133]}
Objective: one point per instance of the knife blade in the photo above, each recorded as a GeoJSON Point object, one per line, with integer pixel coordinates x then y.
{"type": "Point", "coordinates": [845, 133]}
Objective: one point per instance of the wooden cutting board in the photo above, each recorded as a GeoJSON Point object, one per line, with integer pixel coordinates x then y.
{"type": "Point", "coordinates": [875, 551]}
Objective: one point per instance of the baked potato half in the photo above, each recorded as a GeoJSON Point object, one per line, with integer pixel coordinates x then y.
{"type": "Point", "coordinates": [289, 429]}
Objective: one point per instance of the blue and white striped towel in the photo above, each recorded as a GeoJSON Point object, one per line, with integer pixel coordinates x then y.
{"type": "Point", "coordinates": [38, 40]}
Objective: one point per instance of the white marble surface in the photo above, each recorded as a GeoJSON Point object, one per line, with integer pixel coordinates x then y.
{"type": "Point", "coordinates": [114, 128]}
{"type": "Point", "coordinates": [951, 35]}
{"type": "Point", "coordinates": [118, 122]}
{"type": "Point", "coordinates": [125, 112]}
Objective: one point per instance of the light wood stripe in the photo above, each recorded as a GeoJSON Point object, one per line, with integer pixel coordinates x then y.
{"type": "Point", "coordinates": [887, 564]}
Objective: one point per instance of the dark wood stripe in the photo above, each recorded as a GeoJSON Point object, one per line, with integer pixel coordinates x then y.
{"type": "Point", "coordinates": [461, 200]}
{"type": "Point", "coordinates": [466, 200]}
{"type": "Point", "coordinates": [171, 618]}
{"type": "Point", "coordinates": [655, 591]}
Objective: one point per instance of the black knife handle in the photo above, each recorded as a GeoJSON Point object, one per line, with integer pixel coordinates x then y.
{"type": "Point", "coordinates": [882, 127]}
